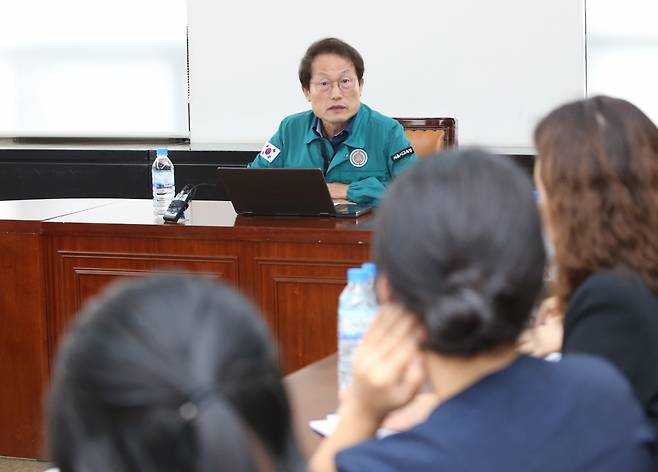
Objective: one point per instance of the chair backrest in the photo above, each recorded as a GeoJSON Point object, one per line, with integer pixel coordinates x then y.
{"type": "Point", "coordinates": [429, 135]}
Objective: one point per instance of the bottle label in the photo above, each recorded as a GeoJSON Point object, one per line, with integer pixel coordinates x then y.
{"type": "Point", "coordinates": [163, 179]}
{"type": "Point", "coordinates": [354, 323]}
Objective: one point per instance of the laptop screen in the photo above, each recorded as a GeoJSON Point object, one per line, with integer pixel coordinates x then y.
{"type": "Point", "coordinates": [282, 192]}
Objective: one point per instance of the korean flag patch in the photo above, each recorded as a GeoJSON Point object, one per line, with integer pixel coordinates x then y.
{"type": "Point", "coordinates": [269, 152]}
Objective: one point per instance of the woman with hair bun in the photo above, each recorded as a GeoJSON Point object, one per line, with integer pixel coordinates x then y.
{"type": "Point", "coordinates": [461, 258]}
{"type": "Point", "coordinates": [170, 374]}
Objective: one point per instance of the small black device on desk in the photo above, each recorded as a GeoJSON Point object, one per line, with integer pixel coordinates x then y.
{"type": "Point", "coordinates": [178, 205]}
{"type": "Point", "coordinates": [283, 192]}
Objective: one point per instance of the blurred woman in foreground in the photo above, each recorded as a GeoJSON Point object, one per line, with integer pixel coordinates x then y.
{"type": "Point", "coordinates": [170, 374]}
{"type": "Point", "coordinates": [460, 252]}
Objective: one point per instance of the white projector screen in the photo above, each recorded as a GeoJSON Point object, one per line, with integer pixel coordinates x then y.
{"type": "Point", "coordinates": [497, 67]}
{"type": "Point", "coordinates": [99, 69]}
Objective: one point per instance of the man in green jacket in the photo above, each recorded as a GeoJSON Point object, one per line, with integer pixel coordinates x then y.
{"type": "Point", "coordinates": [358, 149]}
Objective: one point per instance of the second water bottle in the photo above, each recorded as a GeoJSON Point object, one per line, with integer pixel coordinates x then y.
{"type": "Point", "coordinates": [356, 309]}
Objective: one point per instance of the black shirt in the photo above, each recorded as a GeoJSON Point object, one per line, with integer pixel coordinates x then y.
{"type": "Point", "coordinates": [614, 315]}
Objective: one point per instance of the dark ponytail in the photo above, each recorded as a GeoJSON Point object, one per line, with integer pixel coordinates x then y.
{"type": "Point", "coordinates": [168, 374]}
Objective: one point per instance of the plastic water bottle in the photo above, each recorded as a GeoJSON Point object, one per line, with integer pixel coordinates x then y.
{"type": "Point", "coordinates": [356, 309]}
{"type": "Point", "coordinates": [370, 268]}
{"type": "Point", "coordinates": [162, 176]}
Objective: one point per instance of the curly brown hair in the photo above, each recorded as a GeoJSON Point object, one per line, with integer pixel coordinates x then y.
{"type": "Point", "coordinates": [598, 162]}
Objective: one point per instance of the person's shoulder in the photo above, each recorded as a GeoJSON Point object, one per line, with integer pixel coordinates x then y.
{"type": "Point", "coordinates": [409, 450]}
{"type": "Point", "coordinates": [378, 119]}
{"type": "Point", "coordinates": [574, 375]}
{"type": "Point", "coordinates": [589, 370]}
{"type": "Point", "coordinates": [613, 292]}
{"type": "Point", "coordinates": [612, 283]}
{"type": "Point", "coordinates": [302, 119]}
{"type": "Point", "coordinates": [570, 371]}
{"type": "Point", "coordinates": [385, 130]}
{"type": "Point", "coordinates": [579, 378]}
{"type": "Point", "coordinates": [378, 122]}
{"type": "Point", "coordinates": [586, 377]}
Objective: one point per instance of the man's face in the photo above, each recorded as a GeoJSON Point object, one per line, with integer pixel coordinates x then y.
{"type": "Point", "coordinates": [335, 92]}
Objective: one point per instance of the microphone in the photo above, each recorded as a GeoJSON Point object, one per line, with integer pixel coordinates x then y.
{"type": "Point", "coordinates": [178, 205]}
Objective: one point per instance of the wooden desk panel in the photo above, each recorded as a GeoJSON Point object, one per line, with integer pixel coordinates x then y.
{"type": "Point", "coordinates": [293, 268]}
{"type": "Point", "coordinates": [23, 356]}
{"type": "Point", "coordinates": [81, 266]}
{"type": "Point", "coordinates": [24, 360]}
{"type": "Point", "coordinates": [298, 287]}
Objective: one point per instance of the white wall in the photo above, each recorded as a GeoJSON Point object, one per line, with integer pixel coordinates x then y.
{"type": "Point", "coordinates": [99, 69]}
{"type": "Point", "coordinates": [496, 66]}
{"type": "Point", "coordinates": [622, 52]}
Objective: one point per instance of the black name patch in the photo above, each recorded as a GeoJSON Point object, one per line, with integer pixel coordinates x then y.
{"type": "Point", "coordinates": [401, 154]}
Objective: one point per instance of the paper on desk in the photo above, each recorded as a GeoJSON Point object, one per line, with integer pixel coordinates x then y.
{"type": "Point", "coordinates": [553, 357]}
{"type": "Point", "coordinates": [327, 426]}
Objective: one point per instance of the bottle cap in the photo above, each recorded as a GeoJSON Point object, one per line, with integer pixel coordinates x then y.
{"type": "Point", "coordinates": [370, 268]}
{"type": "Point", "coordinates": [161, 152]}
{"type": "Point", "coordinates": [356, 275]}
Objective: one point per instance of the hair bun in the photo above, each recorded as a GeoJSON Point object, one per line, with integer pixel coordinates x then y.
{"type": "Point", "coordinates": [459, 241]}
{"type": "Point", "coordinates": [459, 320]}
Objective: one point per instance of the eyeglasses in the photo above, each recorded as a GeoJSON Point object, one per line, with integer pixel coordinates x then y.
{"type": "Point", "coordinates": [345, 84]}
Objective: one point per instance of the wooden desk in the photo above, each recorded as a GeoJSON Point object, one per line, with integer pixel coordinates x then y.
{"type": "Point", "coordinates": [313, 395]}
{"type": "Point", "coordinates": [58, 253]}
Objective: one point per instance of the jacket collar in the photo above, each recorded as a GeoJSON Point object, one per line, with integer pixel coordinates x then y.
{"type": "Point", "coordinates": [355, 138]}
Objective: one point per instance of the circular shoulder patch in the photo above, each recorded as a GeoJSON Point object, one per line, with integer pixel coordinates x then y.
{"type": "Point", "coordinates": [358, 157]}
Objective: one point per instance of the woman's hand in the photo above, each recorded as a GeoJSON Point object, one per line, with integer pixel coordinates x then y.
{"type": "Point", "coordinates": [546, 336]}
{"type": "Point", "coordinates": [412, 414]}
{"type": "Point", "coordinates": [388, 368]}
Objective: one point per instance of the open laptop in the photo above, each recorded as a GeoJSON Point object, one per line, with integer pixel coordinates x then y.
{"type": "Point", "coordinates": [286, 192]}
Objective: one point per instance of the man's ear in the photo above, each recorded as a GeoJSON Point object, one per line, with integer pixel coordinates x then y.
{"type": "Point", "coordinates": [307, 93]}
{"type": "Point", "coordinates": [361, 82]}
{"type": "Point", "coordinates": [383, 290]}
